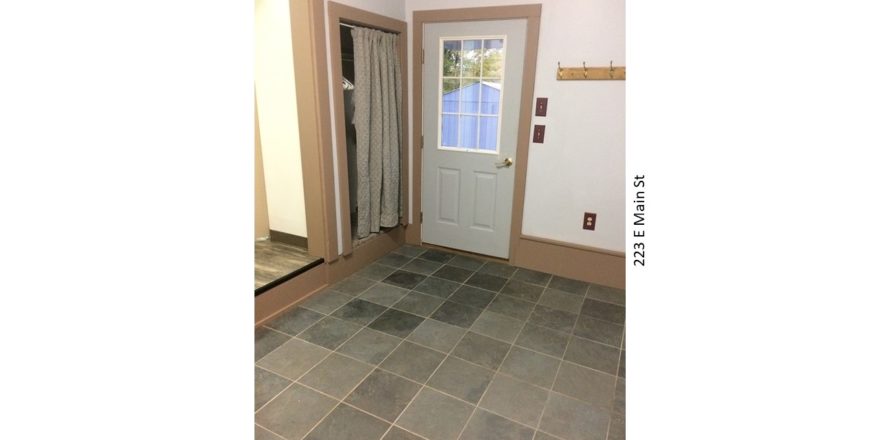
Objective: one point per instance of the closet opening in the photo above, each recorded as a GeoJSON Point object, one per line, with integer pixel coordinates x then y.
{"type": "Point", "coordinates": [371, 132]}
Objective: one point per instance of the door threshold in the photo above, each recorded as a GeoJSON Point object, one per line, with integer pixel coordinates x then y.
{"type": "Point", "coordinates": [465, 253]}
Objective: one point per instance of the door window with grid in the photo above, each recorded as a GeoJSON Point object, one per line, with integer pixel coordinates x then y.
{"type": "Point", "coordinates": [471, 79]}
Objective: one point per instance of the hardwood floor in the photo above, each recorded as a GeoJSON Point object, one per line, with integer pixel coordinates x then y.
{"type": "Point", "coordinates": [273, 260]}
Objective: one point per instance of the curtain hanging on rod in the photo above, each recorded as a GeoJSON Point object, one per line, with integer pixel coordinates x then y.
{"type": "Point", "coordinates": [377, 116]}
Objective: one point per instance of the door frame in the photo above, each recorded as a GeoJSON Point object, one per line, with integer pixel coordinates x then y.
{"type": "Point", "coordinates": [532, 15]}
{"type": "Point", "coordinates": [338, 14]}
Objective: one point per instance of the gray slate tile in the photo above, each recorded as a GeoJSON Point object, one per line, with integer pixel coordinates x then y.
{"type": "Point", "coordinates": [572, 419]}
{"type": "Point", "coordinates": [607, 294]}
{"type": "Point", "coordinates": [347, 423]}
{"type": "Point", "coordinates": [486, 281]}
{"type": "Point", "coordinates": [592, 354]}
{"type": "Point", "coordinates": [424, 267]}
{"type": "Point", "coordinates": [336, 375]}
{"type": "Point", "coordinates": [497, 326]}
{"type": "Point", "coordinates": [397, 433]}
{"type": "Point", "coordinates": [435, 416]}
{"type": "Point", "coordinates": [376, 272]}
{"type": "Point", "coordinates": [516, 400]}
{"type": "Point", "coordinates": [383, 394]}
{"type": "Point", "coordinates": [396, 323]}
{"type": "Point", "coordinates": [325, 302]}
{"type": "Point", "coordinates": [413, 361]}
{"type": "Point", "coordinates": [437, 335]}
{"type": "Point", "coordinates": [330, 332]}
{"type": "Point", "coordinates": [384, 294]}
{"type": "Point", "coordinates": [464, 262]}
{"type": "Point", "coordinates": [560, 300]}
{"type": "Point", "coordinates": [437, 287]}
{"type": "Point", "coordinates": [530, 366]}
{"type": "Point", "coordinates": [598, 330]}
{"type": "Point", "coordinates": [404, 279]}
{"type": "Point", "coordinates": [456, 314]}
{"type": "Point", "coordinates": [522, 290]}
{"type": "Point", "coordinates": [531, 276]}
{"type": "Point", "coordinates": [585, 384]}
{"type": "Point", "coordinates": [295, 321]}
{"type": "Point", "coordinates": [485, 425]}
{"type": "Point", "coordinates": [461, 379]}
{"type": "Point", "coordinates": [569, 285]}
{"type": "Point", "coordinates": [293, 358]}
{"type": "Point", "coordinates": [418, 304]}
{"type": "Point", "coordinates": [359, 311]}
{"type": "Point", "coordinates": [294, 412]}
{"type": "Point", "coordinates": [266, 340]}
{"type": "Point", "coordinates": [453, 273]}
{"type": "Point", "coordinates": [353, 285]}
{"type": "Point", "coordinates": [369, 346]}
{"type": "Point", "coordinates": [542, 340]}
{"type": "Point", "coordinates": [472, 296]}
{"type": "Point", "coordinates": [266, 386]}
{"type": "Point", "coordinates": [553, 318]}
{"type": "Point", "coordinates": [394, 260]}
{"type": "Point", "coordinates": [481, 350]}
{"type": "Point", "coordinates": [604, 311]}
{"type": "Point", "coordinates": [438, 256]}
{"type": "Point", "coordinates": [498, 269]}
{"type": "Point", "coordinates": [512, 307]}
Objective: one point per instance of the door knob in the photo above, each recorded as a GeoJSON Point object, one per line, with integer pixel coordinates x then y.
{"type": "Point", "coordinates": [506, 164]}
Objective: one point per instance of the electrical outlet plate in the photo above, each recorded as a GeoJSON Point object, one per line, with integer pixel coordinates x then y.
{"type": "Point", "coordinates": [589, 221]}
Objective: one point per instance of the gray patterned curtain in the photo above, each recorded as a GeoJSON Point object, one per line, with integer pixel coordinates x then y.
{"type": "Point", "coordinates": [377, 106]}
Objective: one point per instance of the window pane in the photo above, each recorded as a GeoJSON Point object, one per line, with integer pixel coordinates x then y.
{"type": "Point", "coordinates": [451, 58]}
{"type": "Point", "coordinates": [451, 94]}
{"type": "Point", "coordinates": [449, 130]}
{"type": "Point", "coordinates": [470, 58]}
{"type": "Point", "coordinates": [489, 133]}
{"type": "Point", "coordinates": [493, 61]}
{"type": "Point", "coordinates": [490, 98]}
{"type": "Point", "coordinates": [470, 95]}
{"type": "Point", "coordinates": [468, 126]}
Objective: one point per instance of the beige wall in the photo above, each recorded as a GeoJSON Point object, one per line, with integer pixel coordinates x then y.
{"type": "Point", "coordinates": [261, 211]}
{"type": "Point", "coordinates": [279, 126]}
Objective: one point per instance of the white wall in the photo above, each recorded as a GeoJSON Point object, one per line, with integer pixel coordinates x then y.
{"type": "Point", "coordinates": [580, 166]}
{"type": "Point", "coordinates": [389, 8]}
{"type": "Point", "coordinates": [279, 130]}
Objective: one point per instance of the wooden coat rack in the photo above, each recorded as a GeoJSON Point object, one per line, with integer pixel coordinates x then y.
{"type": "Point", "coordinates": [590, 73]}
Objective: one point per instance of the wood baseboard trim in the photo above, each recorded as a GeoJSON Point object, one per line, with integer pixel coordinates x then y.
{"type": "Point", "coordinates": [291, 239]}
{"type": "Point", "coordinates": [282, 297]}
{"type": "Point", "coordinates": [366, 253]}
{"type": "Point", "coordinates": [603, 267]}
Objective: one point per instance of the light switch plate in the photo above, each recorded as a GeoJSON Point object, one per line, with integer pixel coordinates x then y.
{"type": "Point", "coordinates": [538, 137]}
{"type": "Point", "coordinates": [541, 107]}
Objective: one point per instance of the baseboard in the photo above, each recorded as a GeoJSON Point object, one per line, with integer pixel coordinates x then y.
{"type": "Point", "coordinates": [291, 239]}
{"type": "Point", "coordinates": [599, 266]}
{"type": "Point", "coordinates": [289, 293]}
{"type": "Point", "coordinates": [365, 254]}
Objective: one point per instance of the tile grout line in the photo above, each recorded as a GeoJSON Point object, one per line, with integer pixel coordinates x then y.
{"type": "Point", "coordinates": [496, 371]}
{"type": "Point", "coordinates": [307, 371]}
{"type": "Point", "coordinates": [555, 378]}
{"type": "Point", "coordinates": [273, 432]}
{"type": "Point", "coordinates": [423, 386]}
{"type": "Point", "coordinates": [341, 401]}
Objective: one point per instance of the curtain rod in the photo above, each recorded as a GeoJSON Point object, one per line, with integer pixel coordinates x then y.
{"type": "Point", "coordinates": [366, 27]}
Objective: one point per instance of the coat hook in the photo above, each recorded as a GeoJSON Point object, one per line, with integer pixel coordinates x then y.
{"type": "Point", "coordinates": [611, 68]}
{"type": "Point", "coordinates": [558, 70]}
{"type": "Point", "coordinates": [585, 69]}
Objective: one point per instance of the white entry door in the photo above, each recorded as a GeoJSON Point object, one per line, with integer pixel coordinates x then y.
{"type": "Point", "coordinates": [471, 89]}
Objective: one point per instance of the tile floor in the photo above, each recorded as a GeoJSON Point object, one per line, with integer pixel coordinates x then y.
{"type": "Point", "coordinates": [425, 344]}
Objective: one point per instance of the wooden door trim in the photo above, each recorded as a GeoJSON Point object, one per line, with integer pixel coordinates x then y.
{"type": "Point", "coordinates": [532, 15]}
